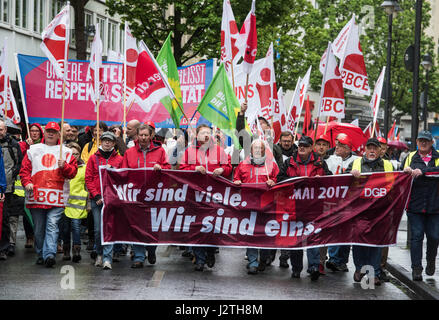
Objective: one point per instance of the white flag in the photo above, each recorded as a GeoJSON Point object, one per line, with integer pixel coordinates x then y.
{"type": "Point", "coordinates": [352, 65]}
{"type": "Point", "coordinates": [376, 97]}
{"type": "Point", "coordinates": [55, 43]}
{"type": "Point", "coordinates": [332, 101]}
{"type": "Point", "coordinates": [229, 36]}
{"type": "Point", "coordinates": [96, 63]}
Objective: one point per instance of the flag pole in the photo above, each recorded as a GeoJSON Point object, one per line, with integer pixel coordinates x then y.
{"type": "Point", "coordinates": [246, 88]}
{"type": "Point", "coordinates": [233, 77]}
{"type": "Point", "coordinates": [66, 60]}
{"type": "Point", "coordinates": [373, 129]}
{"type": "Point", "coordinates": [62, 115]}
{"type": "Point", "coordinates": [326, 126]}
{"type": "Point", "coordinates": [98, 129]}
{"type": "Point", "coordinates": [125, 87]}
{"type": "Point", "coordinates": [315, 130]}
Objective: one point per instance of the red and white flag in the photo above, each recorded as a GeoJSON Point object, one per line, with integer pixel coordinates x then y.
{"type": "Point", "coordinates": [11, 106]}
{"type": "Point", "coordinates": [332, 101]}
{"type": "Point", "coordinates": [376, 97]}
{"type": "Point", "coordinates": [280, 114]}
{"type": "Point", "coordinates": [8, 106]}
{"type": "Point", "coordinates": [229, 36]}
{"type": "Point", "coordinates": [248, 40]}
{"type": "Point", "coordinates": [151, 84]}
{"type": "Point", "coordinates": [96, 64]}
{"type": "Point", "coordinates": [55, 43]}
{"type": "Point", "coordinates": [293, 112]}
{"type": "Point", "coordinates": [130, 63]}
{"type": "Point", "coordinates": [3, 79]}
{"type": "Point", "coordinates": [352, 66]}
{"type": "Point", "coordinates": [298, 100]}
{"type": "Point", "coordinates": [304, 85]}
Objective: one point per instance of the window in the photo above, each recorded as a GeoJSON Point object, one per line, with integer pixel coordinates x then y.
{"type": "Point", "coordinates": [112, 27]}
{"type": "Point", "coordinates": [56, 7]}
{"type": "Point", "coordinates": [101, 22]}
{"type": "Point", "coordinates": [21, 7]}
{"type": "Point", "coordinates": [122, 40]}
{"type": "Point", "coordinates": [4, 10]}
{"type": "Point", "coordinates": [88, 21]}
{"type": "Point", "coordinates": [39, 15]}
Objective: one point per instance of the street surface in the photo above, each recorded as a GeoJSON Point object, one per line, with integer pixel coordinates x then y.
{"type": "Point", "coordinates": [173, 277]}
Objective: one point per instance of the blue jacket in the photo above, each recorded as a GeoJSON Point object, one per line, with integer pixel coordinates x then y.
{"type": "Point", "coordinates": [2, 174]}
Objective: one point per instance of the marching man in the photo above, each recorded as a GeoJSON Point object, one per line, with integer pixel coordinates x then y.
{"type": "Point", "coordinates": [45, 178]}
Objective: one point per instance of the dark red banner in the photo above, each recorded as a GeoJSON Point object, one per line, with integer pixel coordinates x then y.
{"type": "Point", "coordinates": [185, 207]}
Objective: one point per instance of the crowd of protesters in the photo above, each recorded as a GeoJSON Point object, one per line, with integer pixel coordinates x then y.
{"type": "Point", "coordinates": [30, 167]}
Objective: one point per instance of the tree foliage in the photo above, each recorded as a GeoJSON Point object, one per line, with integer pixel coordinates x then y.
{"type": "Point", "coordinates": [300, 33]}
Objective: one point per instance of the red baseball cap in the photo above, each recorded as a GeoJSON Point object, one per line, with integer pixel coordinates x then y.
{"type": "Point", "coordinates": [323, 137]}
{"type": "Point", "coordinates": [52, 125]}
{"type": "Point", "coordinates": [382, 140]}
{"type": "Point", "coordinates": [150, 123]}
{"type": "Point", "coordinates": [344, 139]}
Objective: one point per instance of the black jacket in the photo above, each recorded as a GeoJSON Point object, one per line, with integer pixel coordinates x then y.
{"type": "Point", "coordinates": [425, 190]}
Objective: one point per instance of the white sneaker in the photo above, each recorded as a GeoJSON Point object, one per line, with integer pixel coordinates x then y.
{"type": "Point", "coordinates": [107, 265]}
{"type": "Point", "coordinates": [98, 262]}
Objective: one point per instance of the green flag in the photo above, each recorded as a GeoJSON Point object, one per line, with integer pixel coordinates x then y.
{"type": "Point", "coordinates": [219, 104]}
{"type": "Point", "coordinates": [167, 63]}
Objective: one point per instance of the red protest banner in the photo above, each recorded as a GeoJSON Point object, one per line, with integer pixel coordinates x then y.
{"type": "Point", "coordinates": [184, 207]}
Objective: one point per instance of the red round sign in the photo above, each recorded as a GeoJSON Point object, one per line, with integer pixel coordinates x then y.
{"type": "Point", "coordinates": [48, 160]}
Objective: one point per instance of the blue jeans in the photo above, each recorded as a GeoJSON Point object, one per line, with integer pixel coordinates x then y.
{"type": "Point", "coordinates": [367, 256]}
{"type": "Point", "coordinates": [46, 230]}
{"type": "Point", "coordinates": [200, 253]}
{"type": "Point", "coordinates": [296, 257]}
{"type": "Point", "coordinates": [252, 255]}
{"type": "Point", "coordinates": [96, 211]}
{"type": "Point", "coordinates": [421, 224]}
{"type": "Point", "coordinates": [73, 226]}
{"type": "Point", "coordinates": [339, 254]}
{"type": "Point", "coordinates": [139, 252]}
{"type": "Point", "coordinates": [107, 250]}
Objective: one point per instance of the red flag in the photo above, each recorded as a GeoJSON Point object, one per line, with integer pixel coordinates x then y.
{"type": "Point", "coordinates": [391, 134]}
{"type": "Point", "coordinates": [307, 118]}
{"type": "Point", "coordinates": [249, 40]}
{"type": "Point", "coordinates": [151, 85]}
{"type": "Point", "coordinates": [55, 43]}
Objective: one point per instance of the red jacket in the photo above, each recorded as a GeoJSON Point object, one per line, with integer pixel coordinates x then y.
{"type": "Point", "coordinates": [211, 158]}
{"type": "Point", "coordinates": [67, 172]}
{"type": "Point", "coordinates": [293, 167]}
{"type": "Point", "coordinates": [134, 157]}
{"type": "Point", "coordinates": [248, 172]}
{"type": "Point", "coordinates": [92, 180]}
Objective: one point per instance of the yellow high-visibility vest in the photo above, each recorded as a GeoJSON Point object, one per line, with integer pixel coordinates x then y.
{"type": "Point", "coordinates": [19, 189]}
{"type": "Point", "coordinates": [388, 167]}
{"type": "Point", "coordinates": [76, 207]}
{"type": "Point", "coordinates": [410, 157]}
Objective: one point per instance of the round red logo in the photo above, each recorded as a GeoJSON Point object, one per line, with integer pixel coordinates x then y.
{"type": "Point", "coordinates": [48, 160]}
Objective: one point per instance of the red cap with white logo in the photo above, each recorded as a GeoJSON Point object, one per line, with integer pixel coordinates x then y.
{"type": "Point", "coordinates": [52, 125]}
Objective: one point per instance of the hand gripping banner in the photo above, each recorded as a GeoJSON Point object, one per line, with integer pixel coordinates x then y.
{"type": "Point", "coordinates": [143, 206]}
